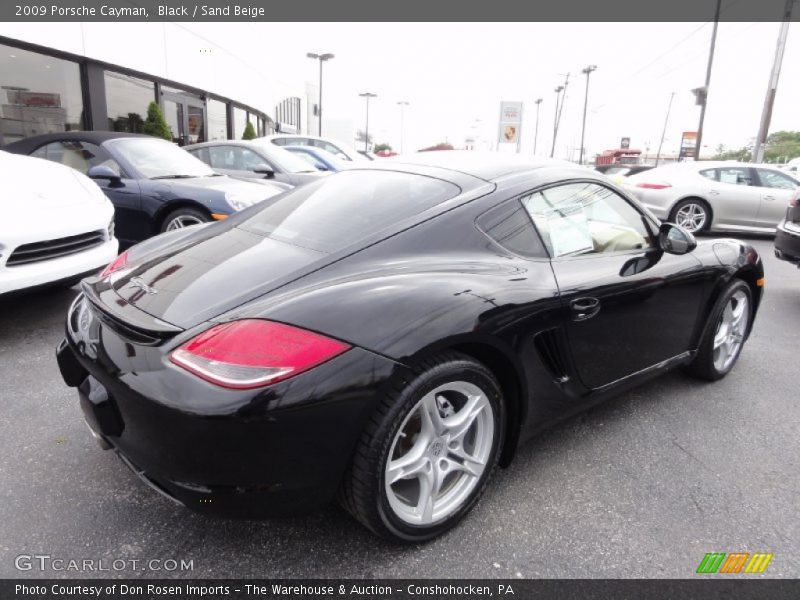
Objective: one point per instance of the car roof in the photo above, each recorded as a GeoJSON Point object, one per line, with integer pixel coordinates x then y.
{"type": "Point", "coordinates": [26, 145]}
{"type": "Point", "coordinates": [489, 166]}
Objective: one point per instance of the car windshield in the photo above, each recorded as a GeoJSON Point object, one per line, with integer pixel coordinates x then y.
{"type": "Point", "coordinates": [347, 207]}
{"type": "Point", "coordinates": [159, 159]}
{"type": "Point", "coordinates": [285, 160]}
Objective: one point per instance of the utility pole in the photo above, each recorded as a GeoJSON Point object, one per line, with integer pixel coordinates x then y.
{"type": "Point", "coordinates": [367, 96]}
{"type": "Point", "coordinates": [587, 71]}
{"type": "Point", "coordinates": [402, 105]}
{"type": "Point", "coordinates": [702, 93]}
{"type": "Point", "coordinates": [766, 114]}
{"type": "Point", "coordinates": [536, 131]}
{"type": "Point", "coordinates": [559, 108]}
{"type": "Point", "coordinates": [322, 58]}
{"type": "Point", "coordinates": [664, 131]}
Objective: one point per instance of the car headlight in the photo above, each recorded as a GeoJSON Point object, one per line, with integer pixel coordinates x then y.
{"type": "Point", "coordinates": [238, 201]}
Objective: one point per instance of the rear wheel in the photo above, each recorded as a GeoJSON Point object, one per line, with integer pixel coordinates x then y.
{"type": "Point", "coordinates": [693, 214]}
{"type": "Point", "coordinates": [725, 333]}
{"type": "Point", "coordinates": [184, 217]}
{"type": "Point", "coordinates": [427, 454]}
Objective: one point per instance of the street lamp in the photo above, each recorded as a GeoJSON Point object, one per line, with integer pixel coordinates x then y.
{"type": "Point", "coordinates": [367, 95]}
{"type": "Point", "coordinates": [558, 91]}
{"type": "Point", "coordinates": [536, 131]}
{"type": "Point", "coordinates": [321, 58]}
{"type": "Point", "coordinates": [587, 71]}
{"type": "Point", "coordinates": [402, 104]}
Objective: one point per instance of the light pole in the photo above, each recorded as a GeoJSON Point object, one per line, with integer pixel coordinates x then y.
{"type": "Point", "coordinates": [402, 104]}
{"type": "Point", "coordinates": [321, 58]}
{"type": "Point", "coordinates": [558, 91]}
{"type": "Point", "coordinates": [536, 130]}
{"type": "Point", "coordinates": [588, 71]}
{"type": "Point", "coordinates": [367, 95]}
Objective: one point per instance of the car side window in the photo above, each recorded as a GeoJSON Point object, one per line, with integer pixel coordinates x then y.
{"type": "Point", "coordinates": [249, 160]}
{"type": "Point", "coordinates": [734, 176]}
{"type": "Point", "coordinates": [81, 156]}
{"type": "Point", "coordinates": [709, 174]}
{"type": "Point", "coordinates": [509, 225]}
{"type": "Point", "coordinates": [773, 179]}
{"type": "Point", "coordinates": [586, 218]}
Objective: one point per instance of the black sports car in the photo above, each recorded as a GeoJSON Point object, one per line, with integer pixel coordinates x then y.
{"type": "Point", "coordinates": [154, 185]}
{"type": "Point", "coordinates": [787, 236]}
{"type": "Point", "coordinates": [390, 333]}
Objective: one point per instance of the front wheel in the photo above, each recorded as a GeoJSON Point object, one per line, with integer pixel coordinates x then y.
{"type": "Point", "coordinates": [428, 452]}
{"type": "Point", "coordinates": [184, 217]}
{"type": "Point", "coordinates": [725, 333]}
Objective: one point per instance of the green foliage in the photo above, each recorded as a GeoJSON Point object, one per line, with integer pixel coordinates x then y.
{"type": "Point", "coordinates": [741, 155]}
{"type": "Point", "coordinates": [782, 146]}
{"type": "Point", "coordinates": [379, 147]}
{"type": "Point", "coordinates": [249, 132]}
{"type": "Point", "coordinates": [155, 124]}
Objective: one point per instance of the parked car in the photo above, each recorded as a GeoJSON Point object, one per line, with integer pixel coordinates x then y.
{"type": "Point", "coordinates": [154, 185]}
{"type": "Point", "coordinates": [793, 167]}
{"type": "Point", "coordinates": [392, 347]}
{"type": "Point", "coordinates": [787, 237]}
{"type": "Point", "coordinates": [716, 196]}
{"type": "Point", "coordinates": [622, 170]}
{"type": "Point", "coordinates": [320, 159]}
{"type": "Point", "coordinates": [335, 147]}
{"type": "Point", "coordinates": [56, 227]}
{"type": "Point", "coordinates": [254, 160]}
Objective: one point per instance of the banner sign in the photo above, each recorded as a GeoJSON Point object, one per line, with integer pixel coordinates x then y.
{"type": "Point", "coordinates": [510, 124]}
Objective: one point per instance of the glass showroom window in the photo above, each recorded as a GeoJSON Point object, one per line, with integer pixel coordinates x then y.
{"type": "Point", "coordinates": [217, 120]}
{"type": "Point", "coordinates": [127, 99]}
{"type": "Point", "coordinates": [239, 122]}
{"type": "Point", "coordinates": [38, 94]}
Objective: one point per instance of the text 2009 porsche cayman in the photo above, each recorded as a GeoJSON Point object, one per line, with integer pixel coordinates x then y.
{"type": "Point", "coordinates": [389, 335]}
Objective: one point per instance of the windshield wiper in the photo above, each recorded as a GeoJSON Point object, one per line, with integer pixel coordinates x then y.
{"type": "Point", "coordinates": [174, 177]}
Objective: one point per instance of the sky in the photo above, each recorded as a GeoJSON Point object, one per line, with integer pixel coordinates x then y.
{"type": "Point", "coordinates": [454, 75]}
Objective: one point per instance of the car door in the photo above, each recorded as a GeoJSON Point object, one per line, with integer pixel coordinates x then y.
{"type": "Point", "coordinates": [777, 189]}
{"type": "Point", "coordinates": [124, 193]}
{"type": "Point", "coordinates": [239, 161]}
{"type": "Point", "coordinates": [626, 305]}
{"type": "Point", "coordinates": [734, 196]}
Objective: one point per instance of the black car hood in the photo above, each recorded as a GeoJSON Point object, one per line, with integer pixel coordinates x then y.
{"type": "Point", "coordinates": [209, 272]}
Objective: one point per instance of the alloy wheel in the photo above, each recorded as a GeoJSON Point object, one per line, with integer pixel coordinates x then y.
{"type": "Point", "coordinates": [182, 221]}
{"type": "Point", "coordinates": [439, 453]}
{"type": "Point", "coordinates": [692, 217]}
{"type": "Point", "coordinates": [731, 330]}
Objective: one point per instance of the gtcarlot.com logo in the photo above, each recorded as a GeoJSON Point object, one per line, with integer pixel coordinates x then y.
{"type": "Point", "coordinates": [734, 562]}
{"type": "Point", "coordinates": [45, 562]}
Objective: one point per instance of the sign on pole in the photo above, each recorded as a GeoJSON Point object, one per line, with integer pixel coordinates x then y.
{"type": "Point", "coordinates": [510, 124]}
{"type": "Point", "coordinates": [688, 145]}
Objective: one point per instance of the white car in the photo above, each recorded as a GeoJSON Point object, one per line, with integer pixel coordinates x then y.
{"type": "Point", "coordinates": [335, 147]}
{"type": "Point", "coordinates": [56, 224]}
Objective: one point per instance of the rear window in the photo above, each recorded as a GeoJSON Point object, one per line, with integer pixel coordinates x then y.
{"type": "Point", "coordinates": [347, 207]}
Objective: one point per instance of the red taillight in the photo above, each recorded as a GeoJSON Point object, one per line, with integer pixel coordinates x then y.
{"type": "Point", "coordinates": [252, 353]}
{"type": "Point", "coordinates": [116, 264]}
{"type": "Point", "coordinates": [795, 199]}
{"type": "Point", "coordinates": [653, 186]}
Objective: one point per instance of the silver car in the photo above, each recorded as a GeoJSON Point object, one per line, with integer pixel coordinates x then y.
{"type": "Point", "coordinates": [716, 196]}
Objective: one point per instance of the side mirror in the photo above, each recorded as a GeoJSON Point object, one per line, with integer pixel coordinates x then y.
{"type": "Point", "coordinates": [104, 172]}
{"type": "Point", "coordinates": [674, 239]}
{"type": "Point", "coordinates": [264, 169]}
{"type": "Point", "coordinates": [320, 167]}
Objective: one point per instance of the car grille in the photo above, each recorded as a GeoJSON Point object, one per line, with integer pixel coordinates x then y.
{"type": "Point", "coordinates": [50, 249]}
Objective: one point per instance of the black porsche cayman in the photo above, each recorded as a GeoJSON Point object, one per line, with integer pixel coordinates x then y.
{"type": "Point", "coordinates": [389, 334]}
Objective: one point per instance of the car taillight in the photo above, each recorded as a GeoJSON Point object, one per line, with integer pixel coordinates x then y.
{"type": "Point", "coordinates": [252, 353]}
{"type": "Point", "coordinates": [653, 186]}
{"type": "Point", "coordinates": [795, 199]}
{"type": "Point", "coordinates": [115, 265]}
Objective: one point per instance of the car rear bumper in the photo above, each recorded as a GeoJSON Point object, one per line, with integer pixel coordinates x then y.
{"type": "Point", "coordinates": [63, 268]}
{"type": "Point", "coordinates": [787, 242]}
{"type": "Point", "coordinates": [277, 450]}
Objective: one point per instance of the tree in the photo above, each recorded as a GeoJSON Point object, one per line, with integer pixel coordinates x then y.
{"type": "Point", "coordinates": [782, 146]}
{"type": "Point", "coordinates": [381, 147]}
{"type": "Point", "coordinates": [249, 132]}
{"type": "Point", "coordinates": [155, 124]}
{"type": "Point", "coordinates": [741, 155]}
{"type": "Point", "coordinates": [439, 146]}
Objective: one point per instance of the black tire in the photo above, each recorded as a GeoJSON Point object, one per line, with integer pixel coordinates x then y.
{"type": "Point", "coordinates": [363, 491]}
{"type": "Point", "coordinates": [700, 204]}
{"type": "Point", "coordinates": [703, 365]}
{"type": "Point", "coordinates": [189, 214]}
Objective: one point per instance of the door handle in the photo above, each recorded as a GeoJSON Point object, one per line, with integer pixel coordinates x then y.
{"type": "Point", "coordinates": [584, 308]}
{"type": "Point", "coordinates": [769, 198]}
{"type": "Point", "coordinates": [713, 192]}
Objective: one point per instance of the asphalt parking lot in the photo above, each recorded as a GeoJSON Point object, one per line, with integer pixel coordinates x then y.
{"type": "Point", "coordinates": [642, 486]}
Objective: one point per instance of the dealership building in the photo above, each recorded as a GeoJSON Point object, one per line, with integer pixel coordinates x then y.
{"type": "Point", "coordinates": [75, 76]}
